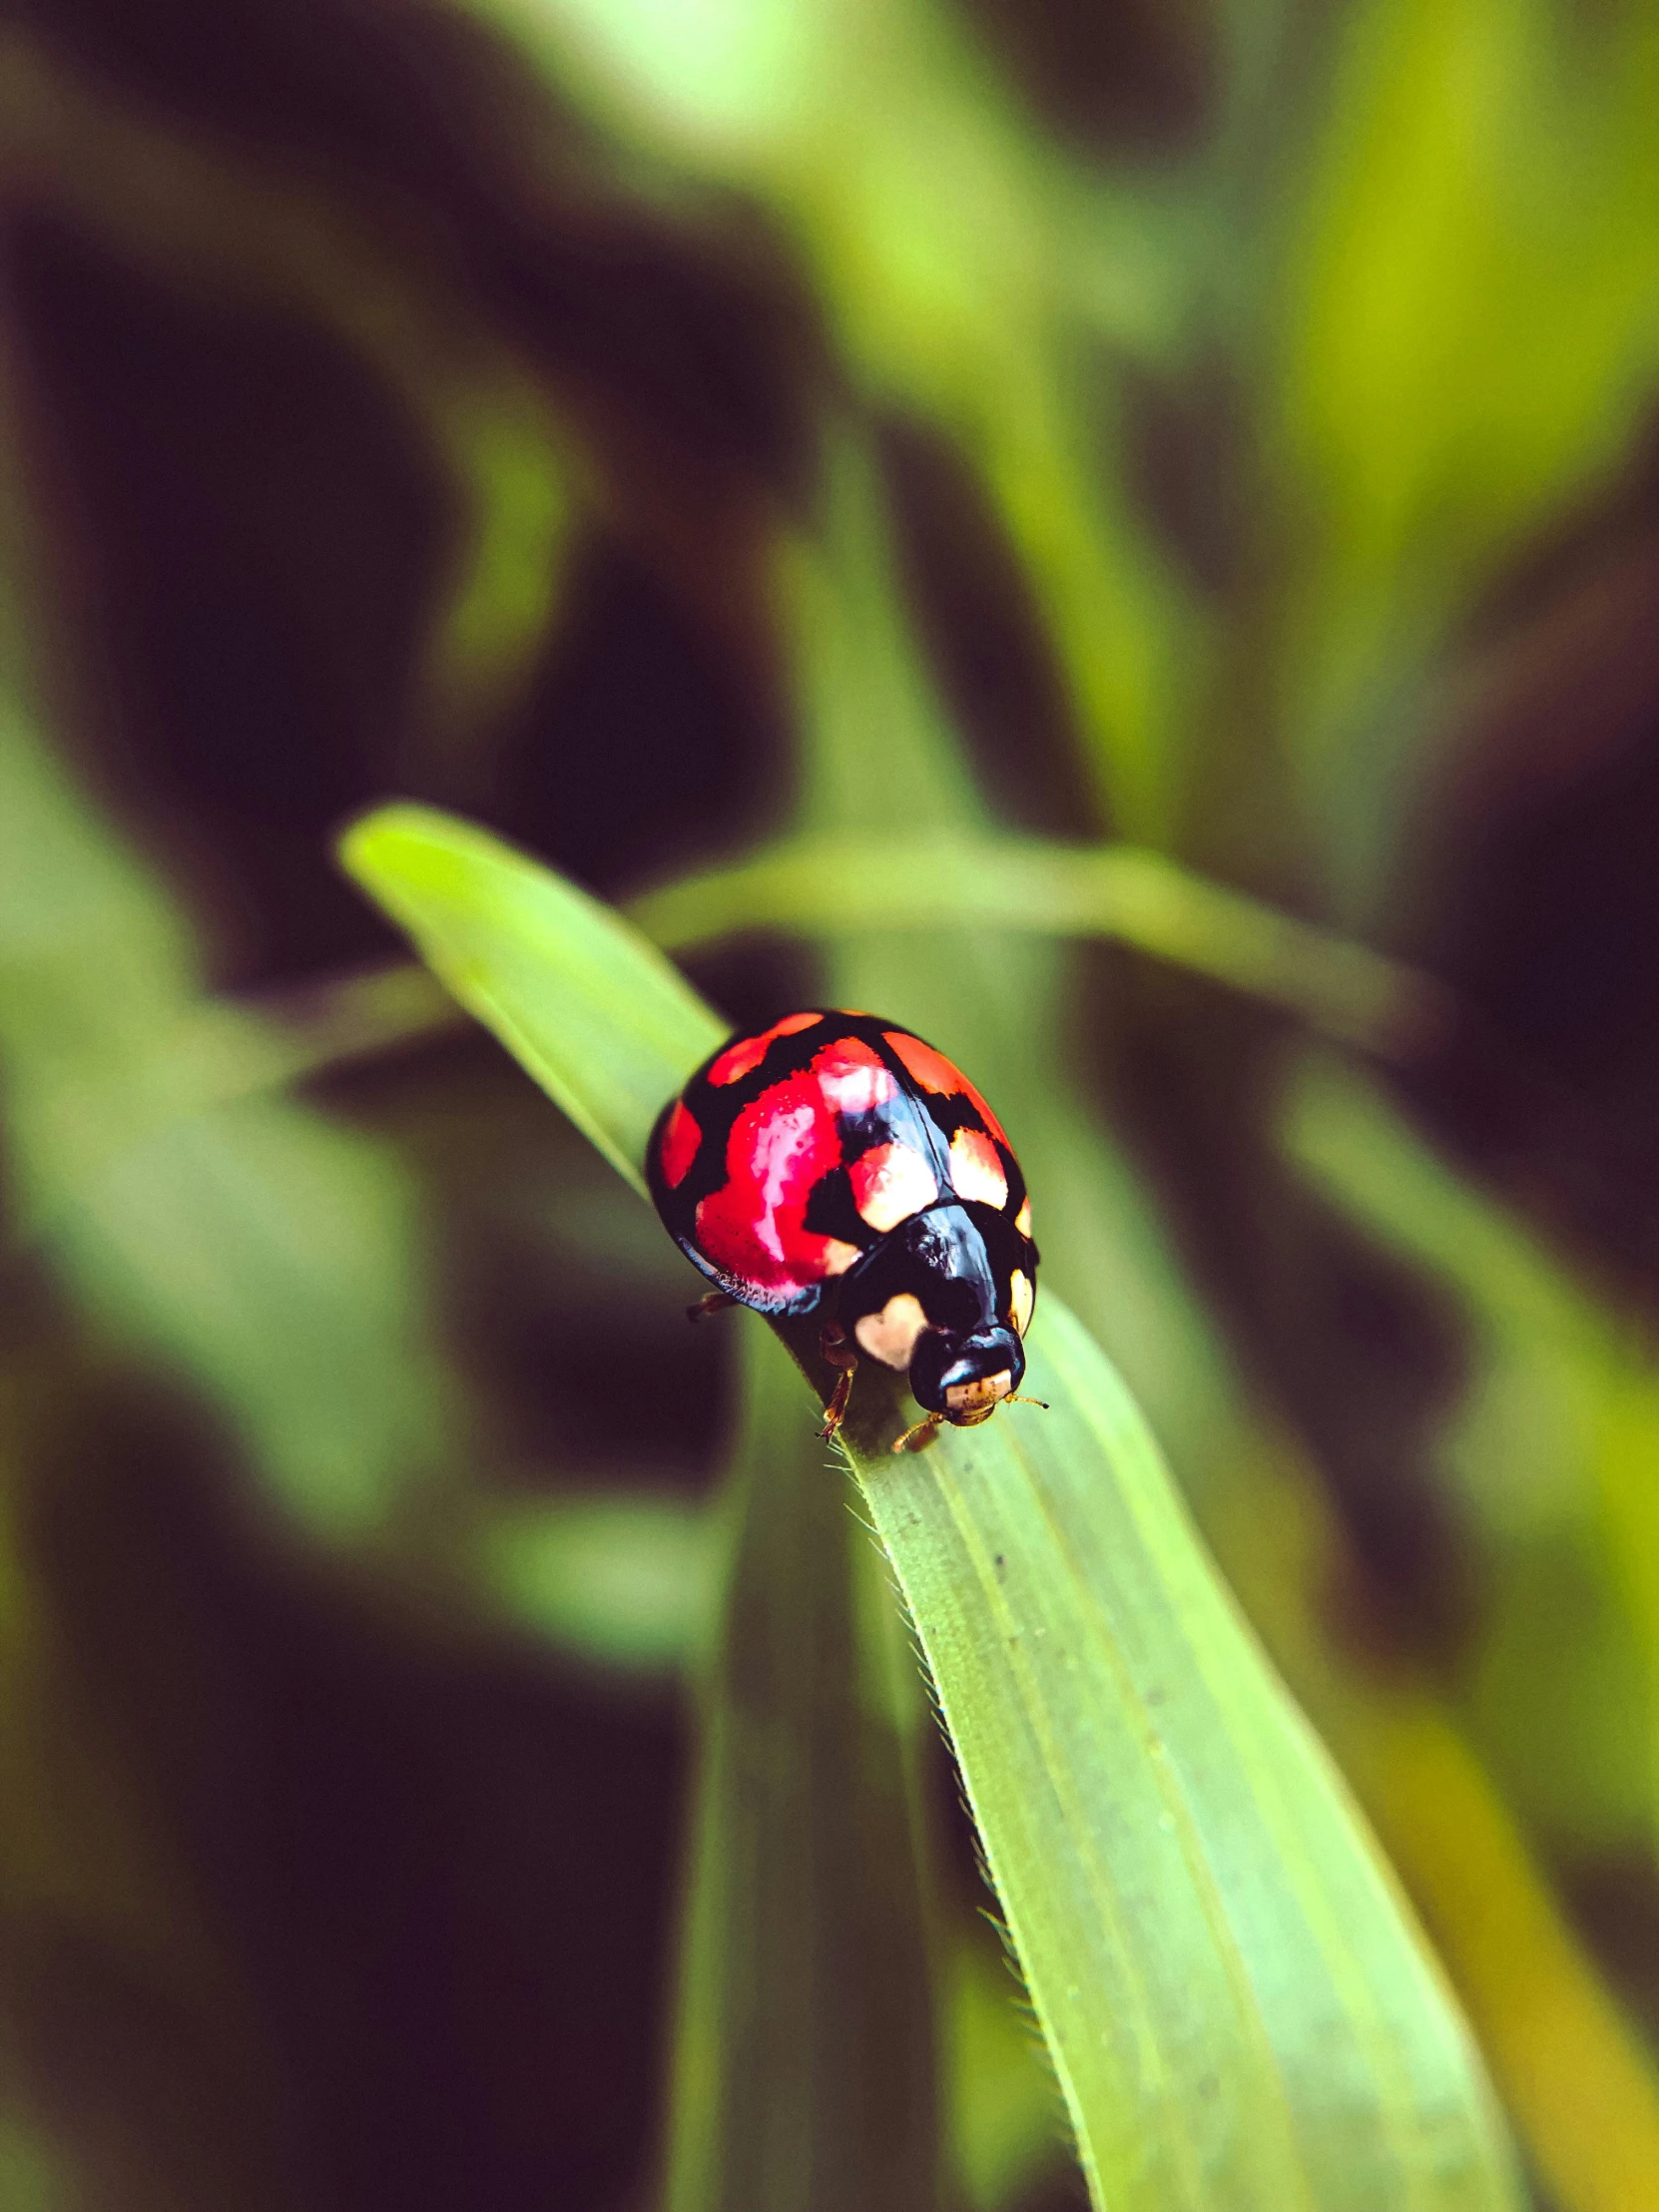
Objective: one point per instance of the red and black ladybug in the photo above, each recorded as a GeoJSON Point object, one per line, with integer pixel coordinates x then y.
{"type": "Point", "coordinates": [838, 1165]}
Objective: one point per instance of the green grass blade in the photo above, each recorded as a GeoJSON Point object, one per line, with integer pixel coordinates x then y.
{"type": "Point", "coordinates": [805, 2063]}
{"type": "Point", "coordinates": [1239, 2006]}
{"type": "Point", "coordinates": [1240, 2013]}
{"type": "Point", "coordinates": [825, 885]}
{"type": "Point", "coordinates": [601, 1020]}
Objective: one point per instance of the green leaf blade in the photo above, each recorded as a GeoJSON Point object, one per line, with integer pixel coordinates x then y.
{"type": "Point", "coordinates": [1238, 2014]}
{"type": "Point", "coordinates": [1242, 2014]}
{"type": "Point", "coordinates": [590, 1007]}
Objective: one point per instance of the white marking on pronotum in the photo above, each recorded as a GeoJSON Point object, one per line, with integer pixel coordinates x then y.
{"type": "Point", "coordinates": [890, 1335]}
{"type": "Point", "coordinates": [1022, 1298]}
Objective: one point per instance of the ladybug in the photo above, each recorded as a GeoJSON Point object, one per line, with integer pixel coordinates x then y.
{"type": "Point", "coordinates": [838, 1165]}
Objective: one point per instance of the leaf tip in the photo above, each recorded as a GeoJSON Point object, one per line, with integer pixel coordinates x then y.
{"type": "Point", "coordinates": [370, 840]}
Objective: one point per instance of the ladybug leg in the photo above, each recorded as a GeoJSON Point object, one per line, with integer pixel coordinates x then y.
{"type": "Point", "coordinates": [920, 1437]}
{"type": "Point", "coordinates": [834, 1347]}
{"type": "Point", "coordinates": [713, 1303]}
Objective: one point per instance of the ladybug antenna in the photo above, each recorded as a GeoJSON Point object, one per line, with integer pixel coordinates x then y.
{"type": "Point", "coordinates": [1014, 1397]}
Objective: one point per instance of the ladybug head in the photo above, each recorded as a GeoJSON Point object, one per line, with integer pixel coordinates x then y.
{"type": "Point", "coordinates": [965, 1378]}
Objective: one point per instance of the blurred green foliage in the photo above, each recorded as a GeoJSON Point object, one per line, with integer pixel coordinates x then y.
{"type": "Point", "coordinates": [1186, 472]}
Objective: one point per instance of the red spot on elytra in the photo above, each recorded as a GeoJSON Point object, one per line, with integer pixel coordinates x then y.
{"type": "Point", "coordinates": [744, 1057]}
{"type": "Point", "coordinates": [937, 1074]}
{"type": "Point", "coordinates": [680, 1142]}
{"type": "Point", "coordinates": [754, 1225]}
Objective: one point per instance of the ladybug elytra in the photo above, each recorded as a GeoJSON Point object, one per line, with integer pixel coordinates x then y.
{"type": "Point", "coordinates": [838, 1165]}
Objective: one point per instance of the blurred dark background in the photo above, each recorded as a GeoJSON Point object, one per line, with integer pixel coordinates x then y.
{"type": "Point", "coordinates": [408, 400]}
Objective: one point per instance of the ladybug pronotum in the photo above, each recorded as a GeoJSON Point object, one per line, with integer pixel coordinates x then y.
{"type": "Point", "coordinates": [837, 1165]}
